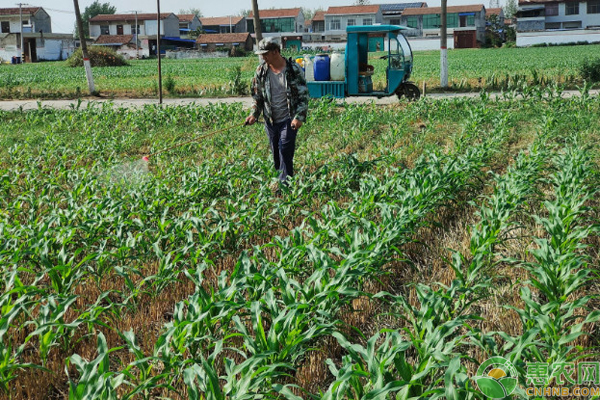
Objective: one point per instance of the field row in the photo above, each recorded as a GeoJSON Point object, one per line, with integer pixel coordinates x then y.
{"type": "Point", "coordinates": [416, 241]}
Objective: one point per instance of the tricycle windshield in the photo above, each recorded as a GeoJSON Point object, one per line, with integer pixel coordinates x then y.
{"type": "Point", "coordinates": [400, 55]}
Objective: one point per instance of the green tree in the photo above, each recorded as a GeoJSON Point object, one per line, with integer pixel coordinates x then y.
{"type": "Point", "coordinates": [96, 8]}
{"type": "Point", "coordinates": [510, 9]}
{"type": "Point", "coordinates": [195, 11]}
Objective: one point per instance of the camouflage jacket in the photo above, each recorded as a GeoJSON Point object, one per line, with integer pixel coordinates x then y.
{"type": "Point", "coordinates": [297, 92]}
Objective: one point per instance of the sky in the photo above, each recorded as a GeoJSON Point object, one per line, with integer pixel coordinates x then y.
{"type": "Point", "coordinates": [63, 15]}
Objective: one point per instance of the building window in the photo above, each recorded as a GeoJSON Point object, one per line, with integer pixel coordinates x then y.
{"type": "Point", "coordinates": [551, 9]}
{"type": "Point", "coordinates": [135, 31]}
{"type": "Point", "coordinates": [5, 27]}
{"type": "Point", "coordinates": [552, 25]}
{"type": "Point", "coordinates": [104, 30]}
{"type": "Point", "coordinates": [412, 22]}
{"type": "Point", "coordinates": [452, 20]}
{"type": "Point", "coordinates": [593, 7]}
{"type": "Point", "coordinates": [367, 21]}
{"type": "Point", "coordinates": [431, 21]}
{"type": "Point", "coordinates": [351, 21]}
{"type": "Point", "coordinates": [275, 25]}
{"type": "Point", "coordinates": [572, 8]}
{"type": "Point", "coordinates": [395, 21]}
{"type": "Point", "coordinates": [335, 24]}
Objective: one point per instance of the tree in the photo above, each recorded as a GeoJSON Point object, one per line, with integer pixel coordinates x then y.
{"type": "Point", "coordinates": [510, 9]}
{"type": "Point", "coordinates": [96, 8]}
{"type": "Point", "coordinates": [195, 11]}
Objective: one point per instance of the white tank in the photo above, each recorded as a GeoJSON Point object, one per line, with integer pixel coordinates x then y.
{"type": "Point", "coordinates": [337, 66]}
{"type": "Point", "coordinates": [309, 72]}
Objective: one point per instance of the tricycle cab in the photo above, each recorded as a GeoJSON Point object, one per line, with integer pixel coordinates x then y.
{"type": "Point", "coordinates": [361, 40]}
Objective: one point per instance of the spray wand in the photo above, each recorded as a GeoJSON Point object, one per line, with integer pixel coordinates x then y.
{"type": "Point", "coordinates": [147, 157]}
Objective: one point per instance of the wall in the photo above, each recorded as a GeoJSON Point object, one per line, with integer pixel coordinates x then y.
{"type": "Point", "coordinates": [557, 37]}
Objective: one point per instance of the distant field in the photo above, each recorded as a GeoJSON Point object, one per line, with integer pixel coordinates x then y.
{"type": "Point", "coordinates": [469, 69]}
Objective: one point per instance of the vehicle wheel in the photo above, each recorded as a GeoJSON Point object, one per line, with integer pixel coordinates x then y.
{"type": "Point", "coordinates": [409, 90]}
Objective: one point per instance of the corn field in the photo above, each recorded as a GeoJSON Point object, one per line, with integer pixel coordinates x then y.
{"type": "Point", "coordinates": [416, 241]}
{"type": "Point", "coordinates": [470, 70]}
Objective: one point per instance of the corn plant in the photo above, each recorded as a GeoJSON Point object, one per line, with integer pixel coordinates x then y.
{"type": "Point", "coordinates": [96, 380]}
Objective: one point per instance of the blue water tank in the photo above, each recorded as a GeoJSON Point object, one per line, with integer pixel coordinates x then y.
{"type": "Point", "coordinates": [321, 67]}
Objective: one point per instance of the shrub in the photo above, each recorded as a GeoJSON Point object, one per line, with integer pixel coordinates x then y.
{"type": "Point", "coordinates": [99, 57]}
{"type": "Point", "coordinates": [590, 70]}
{"type": "Point", "coordinates": [169, 84]}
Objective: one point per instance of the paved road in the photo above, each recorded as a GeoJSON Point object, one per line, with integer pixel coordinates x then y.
{"type": "Point", "coordinates": [9, 105]}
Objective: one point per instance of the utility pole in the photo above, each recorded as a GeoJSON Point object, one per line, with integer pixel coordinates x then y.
{"type": "Point", "coordinates": [21, 30]}
{"type": "Point", "coordinates": [137, 32]}
{"type": "Point", "coordinates": [160, 96]}
{"type": "Point", "coordinates": [256, 18]}
{"type": "Point", "coordinates": [443, 48]}
{"type": "Point", "coordinates": [84, 53]}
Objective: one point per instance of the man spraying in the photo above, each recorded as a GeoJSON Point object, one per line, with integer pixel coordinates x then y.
{"type": "Point", "coordinates": [279, 92]}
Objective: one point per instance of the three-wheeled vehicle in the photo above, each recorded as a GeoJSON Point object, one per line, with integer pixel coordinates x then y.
{"type": "Point", "coordinates": [358, 72]}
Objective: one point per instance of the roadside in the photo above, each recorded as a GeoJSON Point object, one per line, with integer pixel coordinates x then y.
{"type": "Point", "coordinates": [9, 105]}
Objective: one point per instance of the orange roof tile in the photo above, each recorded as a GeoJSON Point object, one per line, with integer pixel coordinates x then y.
{"type": "Point", "coordinates": [369, 9]}
{"type": "Point", "coordinates": [319, 16]}
{"type": "Point", "coordinates": [277, 13]}
{"type": "Point", "coordinates": [220, 20]}
{"type": "Point", "coordinates": [16, 11]}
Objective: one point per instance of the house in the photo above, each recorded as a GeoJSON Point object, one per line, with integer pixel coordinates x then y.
{"type": "Point", "coordinates": [283, 20]}
{"type": "Point", "coordinates": [228, 24]}
{"type": "Point", "coordinates": [317, 24]}
{"type": "Point", "coordinates": [391, 12]}
{"type": "Point", "coordinates": [35, 19]}
{"type": "Point", "coordinates": [465, 23]}
{"type": "Point", "coordinates": [225, 41]}
{"type": "Point", "coordinates": [39, 43]}
{"type": "Point", "coordinates": [558, 21]}
{"type": "Point", "coordinates": [125, 24]}
{"type": "Point", "coordinates": [338, 18]}
{"type": "Point", "coordinates": [188, 23]}
{"type": "Point", "coordinates": [285, 23]}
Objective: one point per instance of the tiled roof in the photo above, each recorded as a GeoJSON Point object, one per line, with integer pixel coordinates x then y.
{"type": "Point", "coordinates": [15, 10]}
{"type": "Point", "coordinates": [111, 39]}
{"type": "Point", "coordinates": [369, 9]}
{"type": "Point", "coordinates": [437, 10]}
{"type": "Point", "coordinates": [277, 13]}
{"type": "Point", "coordinates": [493, 11]}
{"type": "Point", "coordinates": [186, 17]}
{"type": "Point", "coordinates": [127, 17]}
{"type": "Point", "coordinates": [319, 16]}
{"type": "Point", "coordinates": [223, 38]}
{"type": "Point", "coordinates": [220, 20]}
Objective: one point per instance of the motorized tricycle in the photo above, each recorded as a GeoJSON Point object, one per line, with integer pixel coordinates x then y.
{"type": "Point", "coordinates": [357, 78]}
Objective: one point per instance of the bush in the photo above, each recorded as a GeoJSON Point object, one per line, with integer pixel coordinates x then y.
{"type": "Point", "coordinates": [99, 57]}
{"type": "Point", "coordinates": [590, 70]}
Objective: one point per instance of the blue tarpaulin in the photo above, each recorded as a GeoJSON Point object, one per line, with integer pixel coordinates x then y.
{"type": "Point", "coordinates": [176, 39]}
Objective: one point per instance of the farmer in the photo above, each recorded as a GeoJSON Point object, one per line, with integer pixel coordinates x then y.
{"type": "Point", "coordinates": [279, 92]}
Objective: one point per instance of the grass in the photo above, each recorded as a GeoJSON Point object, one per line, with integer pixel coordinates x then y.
{"type": "Point", "coordinates": [416, 241]}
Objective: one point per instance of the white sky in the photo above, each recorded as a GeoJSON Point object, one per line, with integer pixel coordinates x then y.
{"type": "Point", "coordinates": [63, 15]}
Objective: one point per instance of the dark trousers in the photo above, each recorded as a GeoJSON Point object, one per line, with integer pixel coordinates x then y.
{"type": "Point", "coordinates": [282, 139]}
